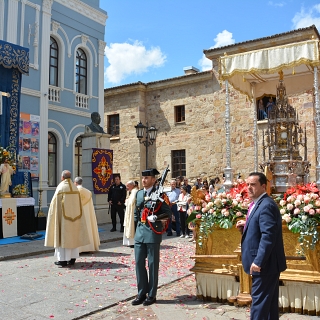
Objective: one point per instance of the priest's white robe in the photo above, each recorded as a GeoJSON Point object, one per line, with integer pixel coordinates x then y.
{"type": "Point", "coordinates": [129, 230]}
{"type": "Point", "coordinates": [66, 224]}
{"type": "Point", "coordinates": [91, 220]}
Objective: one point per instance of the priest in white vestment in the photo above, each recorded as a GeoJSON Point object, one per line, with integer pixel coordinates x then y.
{"type": "Point", "coordinates": [89, 213]}
{"type": "Point", "coordinates": [129, 227]}
{"type": "Point", "coordinates": [66, 224]}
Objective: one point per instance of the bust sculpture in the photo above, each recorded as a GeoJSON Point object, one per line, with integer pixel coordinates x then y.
{"type": "Point", "coordinates": [94, 126]}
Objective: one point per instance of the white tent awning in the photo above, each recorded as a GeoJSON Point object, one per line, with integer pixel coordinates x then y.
{"type": "Point", "coordinates": [262, 66]}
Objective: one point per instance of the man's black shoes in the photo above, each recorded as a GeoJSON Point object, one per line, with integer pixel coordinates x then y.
{"type": "Point", "coordinates": [122, 229]}
{"type": "Point", "coordinates": [71, 262]}
{"type": "Point", "coordinates": [138, 300]}
{"type": "Point", "coordinates": [113, 230]}
{"type": "Point", "coordinates": [61, 263]}
{"type": "Point", "coordinates": [169, 233]}
{"type": "Point", "coordinates": [149, 301]}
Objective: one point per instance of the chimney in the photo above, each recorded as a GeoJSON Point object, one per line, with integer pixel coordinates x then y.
{"type": "Point", "coordinates": [190, 70]}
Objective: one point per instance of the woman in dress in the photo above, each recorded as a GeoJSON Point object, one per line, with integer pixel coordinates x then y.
{"type": "Point", "coordinates": [129, 228]}
{"type": "Point", "coordinates": [182, 206]}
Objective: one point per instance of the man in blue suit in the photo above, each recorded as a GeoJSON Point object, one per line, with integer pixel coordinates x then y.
{"type": "Point", "coordinates": [262, 249]}
{"type": "Point", "coordinates": [147, 241]}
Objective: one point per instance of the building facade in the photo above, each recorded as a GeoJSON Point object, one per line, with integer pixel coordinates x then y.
{"type": "Point", "coordinates": [65, 83]}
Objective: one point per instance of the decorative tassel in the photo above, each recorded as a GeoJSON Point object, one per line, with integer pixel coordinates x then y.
{"type": "Point", "coordinates": [293, 72]}
{"type": "Point", "coordinates": [144, 215]}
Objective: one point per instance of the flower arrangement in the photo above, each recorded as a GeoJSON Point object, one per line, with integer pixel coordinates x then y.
{"type": "Point", "coordinates": [20, 190]}
{"type": "Point", "coordinates": [300, 209]}
{"type": "Point", "coordinates": [218, 209]}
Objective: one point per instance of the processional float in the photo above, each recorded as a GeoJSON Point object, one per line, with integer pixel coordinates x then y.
{"type": "Point", "coordinates": [218, 268]}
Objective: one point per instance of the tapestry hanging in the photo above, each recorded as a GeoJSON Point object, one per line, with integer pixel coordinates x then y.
{"type": "Point", "coordinates": [102, 160]}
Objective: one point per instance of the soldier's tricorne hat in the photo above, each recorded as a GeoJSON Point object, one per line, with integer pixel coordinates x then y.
{"type": "Point", "coordinates": [150, 172]}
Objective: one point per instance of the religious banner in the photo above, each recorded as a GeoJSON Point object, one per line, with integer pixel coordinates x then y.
{"type": "Point", "coordinates": [102, 160]}
{"type": "Point", "coordinates": [0, 102]}
{"type": "Point", "coordinates": [9, 218]}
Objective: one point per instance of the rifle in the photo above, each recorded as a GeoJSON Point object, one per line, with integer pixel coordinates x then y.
{"type": "Point", "coordinates": [156, 196]}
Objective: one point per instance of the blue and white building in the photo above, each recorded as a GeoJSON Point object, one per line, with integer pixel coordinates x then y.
{"type": "Point", "coordinates": [66, 45]}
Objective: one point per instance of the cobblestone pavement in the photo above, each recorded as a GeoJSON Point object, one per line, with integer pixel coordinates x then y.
{"type": "Point", "coordinates": [178, 300]}
{"type": "Point", "coordinates": [102, 285]}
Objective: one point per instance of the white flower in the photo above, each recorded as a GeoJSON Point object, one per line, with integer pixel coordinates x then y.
{"type": "Point", "coordinates": [234, 202]}
{"type": "Point", "coordinates": [286, 217]}
{"type": "Point", "coordinates": [282, 203]}
{"type": "Point", "coordinates": [282, 211]}
{"type": "Point", "coordinates": [304, 218]}
{"type": "Point", "coordinates": [289, 206]}
{"type": "Point", "coordinates": [210, 204]}
{"type": "Point", "coordinates": [297, 203]}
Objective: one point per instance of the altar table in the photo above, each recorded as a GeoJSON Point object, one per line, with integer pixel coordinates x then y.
{"type": "Point", "coordinates": [26, 220]}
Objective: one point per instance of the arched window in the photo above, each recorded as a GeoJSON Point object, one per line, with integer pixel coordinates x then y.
{"type": "Point", "coordinates": [52, 160]}
{"type": "Point", "coordinates": [81, 72]}
{"type": "Point", "coordinates": [54, 62]}
{"type": "Point", "coordinates": [78, 156]}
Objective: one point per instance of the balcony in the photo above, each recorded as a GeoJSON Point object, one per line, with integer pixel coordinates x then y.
{"type": "Point", "coordinates": [82, 101]}
{"type": "Point", "coordinates": [54, 94]}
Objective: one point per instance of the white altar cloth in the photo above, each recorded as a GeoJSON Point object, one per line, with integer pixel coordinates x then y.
{"type": "Point", "coordinates": [22, 202]}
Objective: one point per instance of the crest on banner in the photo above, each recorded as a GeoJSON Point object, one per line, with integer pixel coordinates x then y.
{"type": "Point", "coordinates": [102, 160]}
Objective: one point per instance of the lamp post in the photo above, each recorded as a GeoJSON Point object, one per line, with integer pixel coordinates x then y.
{"type": "Point", "coordinates": [150, 134]}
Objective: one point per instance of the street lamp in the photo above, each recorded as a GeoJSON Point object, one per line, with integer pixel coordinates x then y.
{"type": "Point", "coordinates": [150, 134]}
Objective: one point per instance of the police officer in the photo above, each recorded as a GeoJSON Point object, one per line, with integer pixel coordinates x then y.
{"type": "Point", "coordinates": [147, 242]}
{"type": "Point", "coordinates": [116, 198]}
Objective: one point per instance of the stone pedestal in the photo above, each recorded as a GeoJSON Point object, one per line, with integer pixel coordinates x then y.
{"type": "Point", "coordinates": [100, 201]}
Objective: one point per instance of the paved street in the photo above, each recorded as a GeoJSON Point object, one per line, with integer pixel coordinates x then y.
{"type": "Point", "coordinates": [102, 285]}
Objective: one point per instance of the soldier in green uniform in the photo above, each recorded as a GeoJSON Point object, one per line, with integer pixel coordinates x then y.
{"type": "Point", "coordinates": [147, 241]}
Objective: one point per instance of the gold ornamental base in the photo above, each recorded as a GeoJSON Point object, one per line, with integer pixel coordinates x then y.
{"type": "Point", "coordinates": [5, 195]}
{"type": "Point", "coordinates": [220, 275]}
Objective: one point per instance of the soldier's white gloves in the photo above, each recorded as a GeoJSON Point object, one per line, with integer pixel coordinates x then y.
{"type": "Point", "coordinates": [152, 218]}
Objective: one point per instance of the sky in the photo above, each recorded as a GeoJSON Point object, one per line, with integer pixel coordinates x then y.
{"type": "Point", "coordinates": [152, 40]}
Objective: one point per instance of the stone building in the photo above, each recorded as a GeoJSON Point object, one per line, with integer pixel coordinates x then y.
{"type": "Point", "coordinates": [189, 113]}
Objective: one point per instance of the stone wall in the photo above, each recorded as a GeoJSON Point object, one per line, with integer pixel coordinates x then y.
{"type": "Point", "coordinates": [202, 134]}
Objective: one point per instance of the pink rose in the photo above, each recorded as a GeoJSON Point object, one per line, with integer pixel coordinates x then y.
{"type": "Point", "coordinates": [296, 211]}
{"type": "Point", "coordinates": [297, 203]}
{"type": "Point", "coordinates": [286, 218]}
{"type": "Point", "coordinates": [306, 209]}
{"type": "Point", "coordinates": [207, 197]}
{"type": "Point", "coordinates": [198, 216]}
{"type": "Point", "coordinates": [197, 208]}
{"type": "Point", "coordinates": [225, 213]}
{"type": "Point", "coordinates": [239, 214]}
{"type": "Point", "coordinates": [318, 211]}
{"type": "Point", "coordinates": [317, 203]}
{"type": "Point", "coordinates": [290, 206]}
{"type": "Point", "coordinates": [300, 197]}
{"type": "Point", "coordinates": [204, 210]}
{"type": "Point", "coordinates": [312, 212]}
{"type": "Point", "coordinates": [306, 199]}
